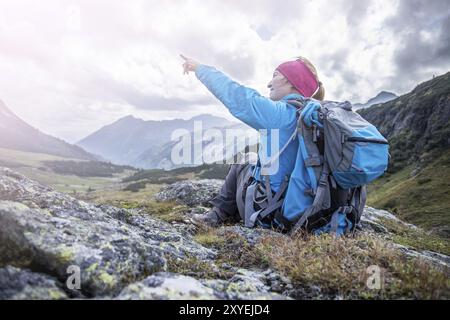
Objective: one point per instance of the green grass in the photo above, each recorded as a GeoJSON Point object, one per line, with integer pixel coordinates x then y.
{"type": "Point", "coordinates": [417, 238]}
{"type": "Point", "coordinates": [337, 266]}
{"type": "Point", "coordinates": [68, 183]}
{"type": "Point", "coordinates": [86, 168]}
{"type": "Point", "coordinates": [35, 166]}
{"type": "Point", "coordinates": [27, 159]}
{"type": "Point", "coordinates": [141, 178]}
{"type": "Point", "coordinates": [166, 211]}
{"type": "Point", "coordinates": [191, 266]}
{"type": "Point", "coordinates": [423, 200]}
{"type": "Point", "coordinates": [210, 238]}
{"type": "Point", "coordinates": [115, 194]}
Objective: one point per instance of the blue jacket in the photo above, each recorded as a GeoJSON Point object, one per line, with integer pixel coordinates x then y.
{"type": "Point", "coordinates": [258, 112]}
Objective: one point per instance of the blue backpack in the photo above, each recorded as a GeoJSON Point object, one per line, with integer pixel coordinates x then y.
{"type": "Point", "coordinates": [339, 154]}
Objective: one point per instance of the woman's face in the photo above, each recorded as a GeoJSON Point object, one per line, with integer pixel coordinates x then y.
{"type": "Point", "coordinates": [279, 86]}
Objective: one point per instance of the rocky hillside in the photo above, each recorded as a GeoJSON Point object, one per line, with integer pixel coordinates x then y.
{"type": "Point", "coordinates": [153, 251]}
{"type": "Point", "coordinates": [18, 135]}
{"type": "Point", "coordinates": [416, 124]}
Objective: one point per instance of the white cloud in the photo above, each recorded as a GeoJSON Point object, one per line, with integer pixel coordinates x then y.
{"type": "Point", "coordinates": [69, 67]}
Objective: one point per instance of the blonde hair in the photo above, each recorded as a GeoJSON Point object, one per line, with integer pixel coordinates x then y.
{"type": "Point", "coordinates": [320, 94]}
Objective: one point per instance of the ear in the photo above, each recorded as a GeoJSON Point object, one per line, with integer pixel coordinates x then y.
{"type": "Point", "coordinates": [290, 84]}
{"type": "Point", "coordinates": [286, 81]}
{"type": "Point", "coordinates": [293, 89]}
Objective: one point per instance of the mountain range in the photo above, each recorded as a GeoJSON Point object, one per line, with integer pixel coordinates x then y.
{"type": "Point", "coordinates": [18, 135]}
{"type": "Point", "coordinates": [148, 144]}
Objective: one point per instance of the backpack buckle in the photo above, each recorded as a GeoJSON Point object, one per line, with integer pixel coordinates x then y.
{"type": "Point", "coordinates": [314, 161]}
{"type": "Point", "coordinates": [321, 115]}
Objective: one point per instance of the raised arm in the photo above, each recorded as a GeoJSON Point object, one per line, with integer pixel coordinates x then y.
{"type": "Point", "coordinates": [244, 103]}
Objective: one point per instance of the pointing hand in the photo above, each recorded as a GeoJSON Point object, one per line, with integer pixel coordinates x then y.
{"type": "Point", "coordinates": [189, 64]}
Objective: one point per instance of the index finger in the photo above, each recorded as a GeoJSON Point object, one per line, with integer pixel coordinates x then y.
{"type": "Point", "coordinates": [183, 57]}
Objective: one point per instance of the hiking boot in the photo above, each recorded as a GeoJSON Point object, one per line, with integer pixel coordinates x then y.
{"type": "Point", "coordinates": [211, 218]}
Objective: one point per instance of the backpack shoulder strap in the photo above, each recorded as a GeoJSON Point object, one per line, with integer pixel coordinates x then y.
{"type": "Point", "coordinates": [322, 195]}
{"type": "Point", "coordinates": [299, 105]}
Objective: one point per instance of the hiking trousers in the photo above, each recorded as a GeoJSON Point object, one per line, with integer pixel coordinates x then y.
{"type": "Point", "coordinates": [225, 201]}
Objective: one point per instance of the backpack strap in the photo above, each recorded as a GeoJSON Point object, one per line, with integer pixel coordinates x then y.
{"type": "Point", "coordinates": [272, 204]}
{"type": "Point", "coordinates": [311, 155]}
{"type": "Point", "coordinates": [357, 202]}
{"type": "Point", "coordinates": [323, 190]}
{"type": "Point", "coordinates": [268, 189]}
{"type": "Point", "coordinates": [275, 157]}
{"type": "Point", "coordinates": [298, 103]}
{"type": "Point", "coordinates": [243, 183]}
{"type": "Point", "coordinates": [249, 209]}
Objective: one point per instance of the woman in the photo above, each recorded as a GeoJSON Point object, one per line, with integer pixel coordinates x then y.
{"type": "Point", "coordinates": [292, 80]}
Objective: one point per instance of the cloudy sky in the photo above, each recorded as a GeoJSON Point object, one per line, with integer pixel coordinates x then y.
{"type": "Point", "coordinates": [70, 67]}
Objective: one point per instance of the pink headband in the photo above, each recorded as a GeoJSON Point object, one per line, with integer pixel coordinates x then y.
{"type": "Point", "coordinates": [300, 77]}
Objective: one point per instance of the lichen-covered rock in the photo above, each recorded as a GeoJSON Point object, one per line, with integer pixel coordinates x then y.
{"type": "Point", "coordinates": [49, 230]}
{"type": "Point", "coordinates": [167, 286]}
{"type": "Point", "coordinates": [245, 285]}
{"type": "Point", "coordinates": [17, 284]}
{"type": "Point", "coordinates": [191, 193]}
{"type": "Point", "coordinates": [277, 282]}
{"type": "Point", "coordinates": [374, 219]}
{"type": "Point", "coordinates": [435, 258]}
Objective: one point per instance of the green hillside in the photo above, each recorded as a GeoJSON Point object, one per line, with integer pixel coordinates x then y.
{"type": "Point", "coordinates": [422, 199]}
{"type": "Point", "coordinates": [417, 126]}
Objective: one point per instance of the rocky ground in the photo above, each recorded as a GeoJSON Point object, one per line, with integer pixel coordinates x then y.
{"type": "Point", "coordinates": [134, 254]}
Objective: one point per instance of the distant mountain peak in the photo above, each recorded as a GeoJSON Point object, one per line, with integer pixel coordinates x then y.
{"type": "Point", "coordinates": [381, 97]}
{"type": "Point", "coordinates": [4, 110]}
{"type": "Point", "coordinates": [386, 93]}
{"type": "Point", "coordinates": [129, 118]}
{"type": "Point", "coordinates": [205, 116]}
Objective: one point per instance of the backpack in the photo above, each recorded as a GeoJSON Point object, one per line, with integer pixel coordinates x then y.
{"type": "Point", "coordinates": [339, 154]}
